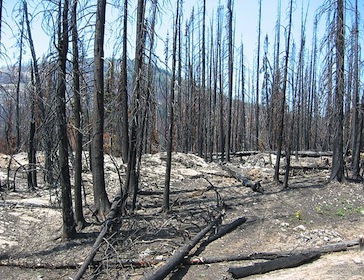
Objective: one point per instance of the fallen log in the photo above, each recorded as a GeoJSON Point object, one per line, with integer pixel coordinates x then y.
{"type": "Point", "coordinates": [326, 249]}
{"type": "Point", "coordinates": [105, 228]}
{"type": "Point", "coordinates": [255, 186]}
{"type": "Point", "coordinates": [264, 267]}
{"type": "Point", "coordinates": [181, 253]}
{"type": "Point", "coordinates": [310, 167]}
{"type": "Point", "coordinates": [37, 265]}
{"type": "Point", "coordinates": [313, 154]}
{"type": "Point", "coordinates": [232, 258]}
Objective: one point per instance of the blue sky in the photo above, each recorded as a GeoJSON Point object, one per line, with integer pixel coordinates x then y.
{"type": "Point", "coordinates": [245, 13]}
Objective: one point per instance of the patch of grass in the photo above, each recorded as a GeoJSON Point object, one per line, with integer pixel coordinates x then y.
{"type": "Point", "coordinates": [341, 212]}
{"type": "Point", "coordinates": [346, 208]}
{"type": "Point", "coordinates": [323, 209]}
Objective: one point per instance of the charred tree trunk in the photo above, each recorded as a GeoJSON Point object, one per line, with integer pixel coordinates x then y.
{"type": "Point", "coordinates": [67, 210]}
{"type": "Point", "coordinates": [131, 181]}
{"type": "Point", "coordinates": [123, 91]}
{"type": "Point", "coordinates": [358, 113]}
{"type": "Point", "coordinates": [101, 200]}
{"type": "Point", "coordinates": [167, 179]}
{"type": "Point", "coordinates": [283, 101]}
{"type": "Point", "coordinates": [230, 79]}
{"type": "Point", "coordinates": [337, 172]}
{"type": "Point", "coordinates": [80, 220]}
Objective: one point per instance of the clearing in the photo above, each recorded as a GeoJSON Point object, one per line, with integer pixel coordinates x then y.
{"type": "Point", "coordinates": [310, 214]}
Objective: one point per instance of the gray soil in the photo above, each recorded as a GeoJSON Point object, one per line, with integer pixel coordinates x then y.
{"type": "Point", "coordinates": [310, 214]}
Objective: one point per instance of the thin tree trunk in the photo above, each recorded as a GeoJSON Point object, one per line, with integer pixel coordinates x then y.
{"type": "Point", "coordinates": [80, 220]}
{"type": "Point", "coordinates": [337, 171]}
{"type": "Point", "coordinates": [167, 179]}
{"type": "Point", "coordinates": [17, 110]}
{"type": "Point", "coordinates": [283, 101]}
{"type": "Point", "coordinates": [201, 92]}
{"type": "Point", "coordinates": [101, 200]}
{"type": "Point", "coordinates": [230, 79]}
{"type": "Point", "coordinates": [131, 181]}
{"type": "Point", "coordinates": [123, 91]}
{"type": "Point", "coordinates": [257, 81]}
{"type": "Point", "coordinates": [357, 122]}
{"type": "Point", "coordinates": [67, 210]}
{"type": "Point", "coordinates": [32, 172]}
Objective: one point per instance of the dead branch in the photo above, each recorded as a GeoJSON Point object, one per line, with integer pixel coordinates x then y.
{"type": "Point", "coordinates": [178, 257]}
{"type": "Point", "coordinates": [105, 228]}
{"type": "Point", "coordinates": [264, 267]}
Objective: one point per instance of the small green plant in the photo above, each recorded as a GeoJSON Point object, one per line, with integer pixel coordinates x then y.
{"type": "Point", "coordinates": [341, 212]}
{"type": "Point", "coordinates": [298, 215]}
{"type": "Point", "coordinates": [319, 210]}
{"type": "Point", "coordinates": [359, 210]}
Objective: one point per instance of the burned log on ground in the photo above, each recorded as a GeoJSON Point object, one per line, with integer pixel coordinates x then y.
{"type": "Point", "coordinates": [280, 263]}
{"type": "Point", "coordinates": [115, 207]}
{"type": "Point", "coordinates": [181, 253]}
{"type": "Point", "coordinates": [326, 249]}
{"type": "Point", "coordinates": [246, 182]}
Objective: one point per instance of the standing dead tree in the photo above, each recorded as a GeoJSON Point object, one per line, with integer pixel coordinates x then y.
{"type": "Point", "coordinates": [67, 209]}
{"type": "Point", "coordinates": [101, 200]}
{"type": "Point", "coordinates": [283, 101]}
{"type": "Point", "coordinates": [167, 179]}
{"type": "Point", "coordinates": [337, 172]}
{"type": "Point", "coordinates": [80, 220]}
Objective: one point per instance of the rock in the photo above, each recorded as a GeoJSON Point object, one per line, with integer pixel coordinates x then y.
{"type": "Point", "coordinates": [358, 261]}
{"type": "Point", "coordinates": [300, 227]}
{"type": "Point", "coordinates": [159, 258]}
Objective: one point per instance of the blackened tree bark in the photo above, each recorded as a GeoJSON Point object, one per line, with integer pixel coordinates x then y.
{"type": "Point", "coordinates": [243, 110]}
{"type": "Point", "coordinates": [337, 171]}
{"type": "Point", "coordinates": [123, 90]}
{"type": "Point", "coordinates": [131, 180]}
{"type": "Point", "coordinates": [358, 115]}
{"type": "Point", "coordinates": [80, 220]}
{"type": "Point", "coordinates": [1, 18]}
{"type": "Point", "coordinates": [39, 102]}
{"type": "Point", "coordinates": [230, 79]}
{"type": "Point", "coordinates": [283, 101]}
{"type": "Point", "coordinates": [167, 180]}
{"type": "Point", "coordinates": [201, 94]}
{"type": "Point", "coordinates": [17, 98]}
{"type": "Point", "coordinates": [67, 210]}
{"type": "Point", "coordinates": [257, 81]}
{"type": "Point", "coordinates": [32, 174]}
{"type": "Point", "coordinates": [101, 200]}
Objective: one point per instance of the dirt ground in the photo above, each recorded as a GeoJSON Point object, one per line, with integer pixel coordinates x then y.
{"type": "Point", "coordinates": [310, 214]}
